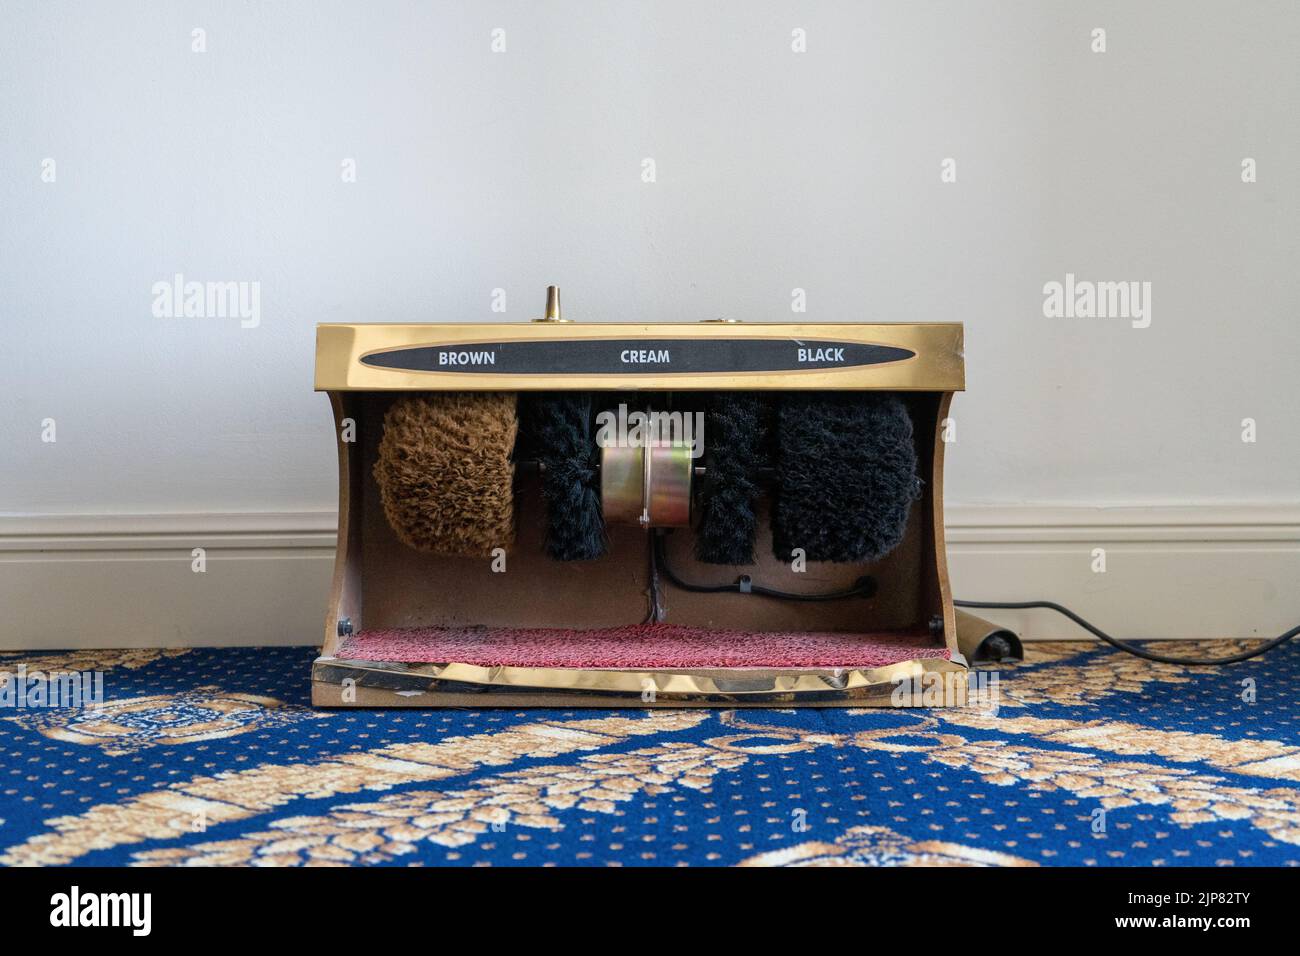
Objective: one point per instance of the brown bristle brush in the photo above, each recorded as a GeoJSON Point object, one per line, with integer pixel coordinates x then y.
{"type": "Point", "coordinates": [445, 473]}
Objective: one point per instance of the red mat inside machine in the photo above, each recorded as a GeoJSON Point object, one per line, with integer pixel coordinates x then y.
{"type": "Point", "coordinates": [637, 646]}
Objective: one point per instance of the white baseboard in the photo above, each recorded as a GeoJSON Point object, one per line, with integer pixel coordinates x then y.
{"type": "Point", "coordinates": [127, 581]}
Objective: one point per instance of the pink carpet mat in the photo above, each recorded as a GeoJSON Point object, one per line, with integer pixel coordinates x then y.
{"type": "Point", "coordinates": [637, 646]}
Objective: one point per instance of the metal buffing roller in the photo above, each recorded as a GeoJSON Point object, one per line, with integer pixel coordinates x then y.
{"type": "Point", "coordinates": [648, 485]}
{"type": "Point", "coordinates": [445, 474]}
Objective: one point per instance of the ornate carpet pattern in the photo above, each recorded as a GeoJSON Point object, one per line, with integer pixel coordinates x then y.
{"type": "Point", "coordinates": [1090, 757]}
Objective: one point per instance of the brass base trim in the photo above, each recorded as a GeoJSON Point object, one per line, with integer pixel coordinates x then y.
{"type": "Point", "coordinates": [348, 683]}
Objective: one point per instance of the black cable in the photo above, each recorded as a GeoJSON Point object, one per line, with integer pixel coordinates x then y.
{"type": "Point", "coordinates": [1129, 648]}
{"type": "Point", "coordinates": [864, 586]}
{"type": "Point", "coordinates": [655, 614]}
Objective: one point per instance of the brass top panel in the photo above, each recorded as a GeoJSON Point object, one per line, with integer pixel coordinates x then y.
{"type": "Point", "coordinates": [936, 364]}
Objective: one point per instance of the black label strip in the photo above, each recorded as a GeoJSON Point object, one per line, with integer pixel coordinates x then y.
{"type": "Point", "coordinates": [636, 356]}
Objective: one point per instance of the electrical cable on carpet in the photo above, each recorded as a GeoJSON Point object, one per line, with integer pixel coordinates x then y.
{"type": "Point", "coordinates": [1129, 648]}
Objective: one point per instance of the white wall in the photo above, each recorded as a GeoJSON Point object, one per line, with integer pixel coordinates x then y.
{"type": "Point", "coordinates": [775, 170]}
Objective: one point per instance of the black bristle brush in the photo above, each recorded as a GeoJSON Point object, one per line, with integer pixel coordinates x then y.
{"type": "Point", "coordinates": [846, 475]}
{"type": "Point", "coordinates": [560, 424]}
{"type": "Point", "coordinates": [736, 427]}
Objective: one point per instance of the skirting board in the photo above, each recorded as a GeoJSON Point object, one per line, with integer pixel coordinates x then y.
{"type": "Point", "coordinates": [129, 580]}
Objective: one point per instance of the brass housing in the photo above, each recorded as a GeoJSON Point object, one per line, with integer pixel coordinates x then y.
{"type": "Point", "coordinates": [378, 583]}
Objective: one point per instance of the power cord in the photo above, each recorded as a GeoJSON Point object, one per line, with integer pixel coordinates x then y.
{"type": "Point", "coordinates": [863, 587]}
{"type": "Point", "coordinates": [655, 614]}
{"type": "Point", "coordinates": [1130, 648]}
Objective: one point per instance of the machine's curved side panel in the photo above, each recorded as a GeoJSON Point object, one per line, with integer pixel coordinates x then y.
{"type": "Point", "coordinates": [942, 587]}
{"type": "Point", "coordinates": [345, 589]}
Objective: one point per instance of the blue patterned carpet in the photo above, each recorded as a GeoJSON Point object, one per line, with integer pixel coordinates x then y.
{"type": "Point", "coordinates": [1092, 758]}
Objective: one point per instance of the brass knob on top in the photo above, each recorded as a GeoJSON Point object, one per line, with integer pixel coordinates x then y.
{"type": "Point", "coordinates": [552, 313]}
